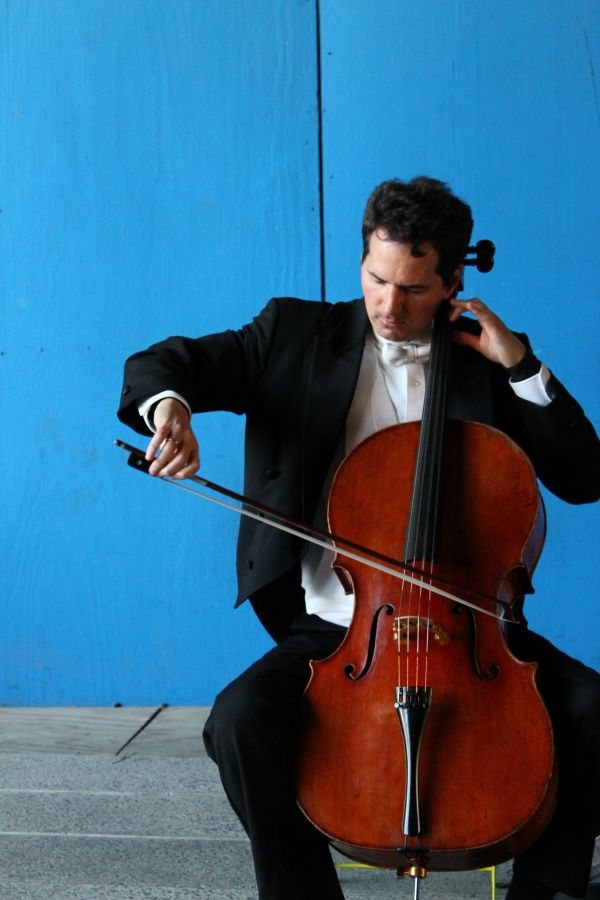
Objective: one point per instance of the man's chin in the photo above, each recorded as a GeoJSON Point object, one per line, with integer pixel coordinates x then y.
{"type": "Point", "coordinates": [394, 332]}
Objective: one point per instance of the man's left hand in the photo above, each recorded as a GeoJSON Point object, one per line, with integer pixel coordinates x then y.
{"type": "Point", "coordinates": [496, 342]}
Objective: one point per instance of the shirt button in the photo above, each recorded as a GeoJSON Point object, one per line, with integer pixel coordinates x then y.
{"type": "Point", "coordinates": [416, 382]}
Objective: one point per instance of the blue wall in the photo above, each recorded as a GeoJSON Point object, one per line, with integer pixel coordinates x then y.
{"type": "Point", "coordinates": [502, 101]}
{"type": "Point", "coordinates": [160, 174]}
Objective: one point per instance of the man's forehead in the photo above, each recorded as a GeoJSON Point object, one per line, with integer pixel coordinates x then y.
{"type": "Point", "coordinates": [389, 255]}
{"type": "Point", "coordinates": [382, 237]}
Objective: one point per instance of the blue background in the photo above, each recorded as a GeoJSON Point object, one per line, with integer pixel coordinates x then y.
{"type": "Point", "coordinates": [161, 173]}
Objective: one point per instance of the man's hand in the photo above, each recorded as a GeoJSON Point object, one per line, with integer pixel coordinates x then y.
{"type": "Point", "coordinates": [496, 342]}
{"type": "Point", "coordinates": [179, 455]}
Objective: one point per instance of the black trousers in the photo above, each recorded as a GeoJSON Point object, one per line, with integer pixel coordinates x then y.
{"type": "Point", "coordinates": [562, 856]}
{"type": "Point", "coordinates": [251, 735]}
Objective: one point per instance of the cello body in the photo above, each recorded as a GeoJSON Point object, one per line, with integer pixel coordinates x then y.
{"type": "Point", "coordinates": [470, 780]}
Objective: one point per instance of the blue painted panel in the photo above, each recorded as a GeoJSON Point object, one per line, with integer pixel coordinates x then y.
{"type": "Point", "coordinates": [159, 169]}
{"type": "Point", "coordinates": [501, 100]}
{"type": "Point", "coordinates": [160, 175]}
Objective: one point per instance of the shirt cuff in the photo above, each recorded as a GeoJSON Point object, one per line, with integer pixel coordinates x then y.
{"type": "Point", "coordinates": [534, 388]}
{"type": "Point", "coordinates": [145, 408]}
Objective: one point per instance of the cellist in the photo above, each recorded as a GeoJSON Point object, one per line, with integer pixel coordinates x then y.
{"type": "Point", "coordinates": [313, 380]}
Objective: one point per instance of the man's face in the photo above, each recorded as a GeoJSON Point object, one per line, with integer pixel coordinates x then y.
{"type": "Point", "coordinates": [402, 292]}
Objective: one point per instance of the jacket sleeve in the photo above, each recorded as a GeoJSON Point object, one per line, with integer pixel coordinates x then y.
{"type": "Point", "coordinates": [212, 372]}
{"type": "Point", "coordinates": [559, 439]}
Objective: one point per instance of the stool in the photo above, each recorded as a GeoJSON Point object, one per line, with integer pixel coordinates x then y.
{"type": "Point", "coordinates": [490, 869]}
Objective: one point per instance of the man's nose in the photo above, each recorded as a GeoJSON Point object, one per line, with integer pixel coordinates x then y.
{"type": "Point", "coordinates": [394, 299]}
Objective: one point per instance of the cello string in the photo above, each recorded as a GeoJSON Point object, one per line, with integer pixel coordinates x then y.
{"type": "Point", "coordinates": [420, 501]}
{"type": "Point", "coordinates": [419, 641]}
{"type": "Point", "coordinates": [439, 369]}
{"type": "Point", "coordinates": [414, 535]}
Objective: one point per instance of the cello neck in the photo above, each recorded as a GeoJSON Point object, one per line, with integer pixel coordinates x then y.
{"type": "Point", "coordinates": [421, 535]}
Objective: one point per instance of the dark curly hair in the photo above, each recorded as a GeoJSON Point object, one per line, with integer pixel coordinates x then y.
{"type": "Point", "coordinates": [423, 210]}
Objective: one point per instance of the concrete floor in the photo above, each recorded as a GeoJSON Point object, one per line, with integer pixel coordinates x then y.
{"type": "Point", "coordinates": [78, 822]}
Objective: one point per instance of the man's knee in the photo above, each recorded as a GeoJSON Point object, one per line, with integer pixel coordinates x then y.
{"type": "Point", "coordinates": [242, 715]}
{"type": "Point", "coordinates": [225, 719]}
{"type": "Point", "coordinates": [585, 700]}
{"type": "Point", "coordinates": [575, 696]}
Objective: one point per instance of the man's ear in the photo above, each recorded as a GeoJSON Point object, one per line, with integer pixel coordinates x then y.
{"type": "Point", "coordinates": [457, 283]}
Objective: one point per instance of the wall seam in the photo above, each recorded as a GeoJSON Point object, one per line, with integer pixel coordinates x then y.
{"type": "Point", "coordinates": [320, 151]}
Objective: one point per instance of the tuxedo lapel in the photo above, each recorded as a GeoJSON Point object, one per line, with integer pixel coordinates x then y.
{"type": "Point", "coordinates": [333, 363]}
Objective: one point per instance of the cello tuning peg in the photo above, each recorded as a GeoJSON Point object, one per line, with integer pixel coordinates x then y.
{"type": "Point", "coordinates": [484, 256]}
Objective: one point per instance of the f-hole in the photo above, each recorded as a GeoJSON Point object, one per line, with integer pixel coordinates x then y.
{"type": "Point", "coordinates": [350, 668]}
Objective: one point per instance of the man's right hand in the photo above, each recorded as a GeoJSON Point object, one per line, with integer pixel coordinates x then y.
{"type": "Point", "coordinates": [179, 455]}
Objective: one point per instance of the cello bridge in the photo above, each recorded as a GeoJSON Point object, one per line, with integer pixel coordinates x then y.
{"type": "Point", "coordinates": [407, 628]}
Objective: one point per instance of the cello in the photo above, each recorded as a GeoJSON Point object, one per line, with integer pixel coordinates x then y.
{"type": "Point", "coordinates": [427, 716]}
{"type": "Point", "coordinates": [425, 744]}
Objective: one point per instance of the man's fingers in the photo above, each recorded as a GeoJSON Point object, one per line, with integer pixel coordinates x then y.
{"type": "Point", "coordinates": [154, 445]}
{"type": "Point", "coordinates": [173, 451]}
{"type": "Point", "coordinates": [496, 342]}
{"type": "Point", "coordinates": [176, 458]}
{"type": "Point", "coordinates": [188, 470]}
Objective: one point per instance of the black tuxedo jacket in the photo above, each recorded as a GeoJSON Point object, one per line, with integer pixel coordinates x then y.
{"type": "Point", "coordinates": [292, 372]}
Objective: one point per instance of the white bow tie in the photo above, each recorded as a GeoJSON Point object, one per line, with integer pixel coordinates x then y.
{"type": "Point", "coordinates": [401, 352]}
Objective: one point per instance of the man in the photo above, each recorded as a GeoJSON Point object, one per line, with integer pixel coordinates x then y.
{"type": "Point", "coordinates": [314, 380]}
